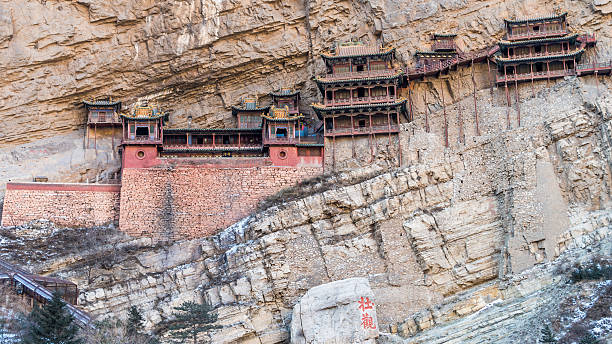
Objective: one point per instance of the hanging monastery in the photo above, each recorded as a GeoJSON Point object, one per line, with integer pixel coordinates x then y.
{"type": "Point", "coordinates": [191, 182]}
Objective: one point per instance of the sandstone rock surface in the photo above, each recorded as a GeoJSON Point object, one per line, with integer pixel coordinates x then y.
{"type": "Point", "coordinates": [331, 313]}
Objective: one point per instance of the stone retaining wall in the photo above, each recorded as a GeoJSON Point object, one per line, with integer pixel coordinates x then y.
{"type": "Point", "coordinates": [192, 201]}
{"type": "Point", "coordinates": [71, 205]}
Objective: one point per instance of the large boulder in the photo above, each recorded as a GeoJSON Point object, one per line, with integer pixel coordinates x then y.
{"type": "Point", "coordinates": [337, 312]}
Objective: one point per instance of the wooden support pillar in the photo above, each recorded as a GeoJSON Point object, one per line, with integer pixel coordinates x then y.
{"type": "Point", "coordinates": [87, 135]}
{"type": "Point", "coordinates": [353, 134]}
{"type": "Point", "coordinates": [426, 114]}
{"type": "Point", "coordinates": [444, 111]}
{"type": "Point", "coordinates": [399, 140]}
{"type": "Point", "coordinates": [95, 137]}
{"type": "Point", "coordinates": [238, 141]}
{"type": "Point", "coordinates": [389, 126]}
{"type": "Point", "coordinates": [371, 139]}
{"type": "Point", "coordinates": [475, 105]}
{"type": "Point", "coordinates": [113, 140]}
{"type": "Point", "coordinates": [547, 72]}
{"type": "Point", "coordinates": [489, 76]}
{"type": "Point", "coordinates": [507, 98]}
{"type": "Point", "coordinates": [518, 106]}
{"type": "Point", "coordinates": [461, 136]}
{"type": "Point", "coordinates": [334, 143]}
{"type": "Point", "coordinates": [214, 143]}
{"type": "Point", "coordinates": [532, 86]}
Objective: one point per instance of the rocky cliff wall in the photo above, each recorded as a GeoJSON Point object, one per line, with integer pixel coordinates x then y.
{"type": "Point", "coordinates": [197, 58]}
{"type": "Point", "coordinates": [450, 223]}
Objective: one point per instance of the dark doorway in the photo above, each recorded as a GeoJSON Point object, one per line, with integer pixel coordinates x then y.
{"type": "Point", "coordinates": [281, 132]}
{"type": "Point", "coordinates": [362, 123]}
{"type": "Point", "coordinates": [360, 68]}
{"type": "Point", "coordinates": [142, 131]}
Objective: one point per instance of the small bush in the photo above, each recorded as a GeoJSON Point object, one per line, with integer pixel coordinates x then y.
{"type": "Point", "coordinates": [597, 269]}
{"type": "Point", "coordinates": [589, 339]}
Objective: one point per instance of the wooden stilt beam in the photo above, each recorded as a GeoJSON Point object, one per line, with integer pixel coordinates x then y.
{"type": "Point", "coordinates": [370, 139]}
{"type": "Point", "coordinates": [507, 98]}
{"type": "Point", "coordinates": [399, 140]}
{"type": "Point", "coordinates": [95, 137]}
{"type": "Point", "coordinates": [444, 111]}
{"type": "Point", "coordinates": [353, 135]}
{"type": "Point", "coordinates": [426, 113]}
{"type": "Point", "coordinates": [389, 127]}
{"type": "Point", "coordinates": [597, 82]}
{"type": "Point", "coordinates": [489, 76]}
{"type": "Point", "coordinates": [461, 137]}
{"type": "Point", "coordinates": [532, 86]}
{"type": "Point", "coordinates": [334, 144]}
{"type": "Point", "coordinates": [475, 105]}
{"type": "Point", "coordinates": [87, 136]}
{"type": "Point", "coordinates": [518, 105]}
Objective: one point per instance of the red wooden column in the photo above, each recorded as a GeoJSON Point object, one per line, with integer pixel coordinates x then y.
{"type": "Point", "coordinates": [389, 126]}
{"type": "Point", "coordinates": [475, 106]}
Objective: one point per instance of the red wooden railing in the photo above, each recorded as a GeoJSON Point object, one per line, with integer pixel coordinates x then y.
{"type": "Point", "coordinates": [460, 59]}
{"type": "Point", "coordinates": [363, 130]}
{"type": "Point", "coordinates": [361, 100]}
{"type": "Point", "coordinates": [535, 34]}
{"type": "Point", "coordinates": [360, 75]}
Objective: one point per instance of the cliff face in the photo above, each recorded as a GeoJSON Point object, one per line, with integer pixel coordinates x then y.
{"type": "Point", "coordinates": [198, 57]}
{"type": "Point", "coordinates": [438, 240]}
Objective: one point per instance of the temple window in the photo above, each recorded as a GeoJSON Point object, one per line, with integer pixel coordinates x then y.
{"type": "Point", "coordinates": [142, 131]}
{"type": "Point", "coordinates": [536, 28]}
{"type": "Point", "coordinates": [281, 132]}
{"type": "Point", "coordinates": [361, 92]}
{"type": "Point", "coordinates": [362, 123]}
{"type": "Point", "coordinates": [329, 95]}
{"type": "Point", "coordinates": [360, 68]}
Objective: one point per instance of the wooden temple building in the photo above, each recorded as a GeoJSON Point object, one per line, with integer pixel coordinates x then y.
{"type": "Point", "coordinates": [360, 100]}
{"type": "Point", "coordinates": [101, 113]}
{"type": "Point", "coordinates": [539, 48]}
{"type": "Point", "coordinates": [276, 131]}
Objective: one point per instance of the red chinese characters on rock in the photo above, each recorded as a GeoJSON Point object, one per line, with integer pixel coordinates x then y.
{"type": "Point", "coordinates": [367, 322]}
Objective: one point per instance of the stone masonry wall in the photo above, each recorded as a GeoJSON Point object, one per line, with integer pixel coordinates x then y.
{"type": "Point", "coordinates": [179, 202]}
{"type": "Point", "coordinates": [71, 205]}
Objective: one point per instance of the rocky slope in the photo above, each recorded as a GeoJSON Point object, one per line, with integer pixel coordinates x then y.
{"type": "Point", "coordinates": [452, 224]}
{"type": "Point", "coordinates": [198, 57]}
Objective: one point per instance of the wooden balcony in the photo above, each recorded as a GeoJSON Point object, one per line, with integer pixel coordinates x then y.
{"type": "Point", "coordinates": [535, 76]}
{"type": "Point", "coordinates": [359, 75]}
{"type": "Point", "coordinates": [443, 45]}
{"type": "Point", "coordinates": [213, 147]}
{"type": "Point", "coordinates": [290, 141]}
{"type": "Point", "coordinates": [348, 131]}
{"type": "Point", "coordinates": [594, 67]}
{"type": "Point", "coordinates": [535, 34]}
{"type": "Point", "coordinates": [104, 120]}
{"type": "Point", "coordinates": [360, 101]}
{"type": "Point", "coordinates": [142, 140]}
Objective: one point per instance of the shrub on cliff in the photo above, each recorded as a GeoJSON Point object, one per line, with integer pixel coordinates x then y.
{"type": "Point", "coordinates": [52, 324]}
{"type": "Point", "coordinates": [589, 339]}
{"type": "Point", "coordinates": [597, 269]}
{"type": "Point", "coordinates": [547, 335]}
{"type": "Point", "coordinates": [191, 320]}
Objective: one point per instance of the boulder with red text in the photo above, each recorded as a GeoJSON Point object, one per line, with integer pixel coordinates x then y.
{"type": "Point", "coordinates": [337, 312]}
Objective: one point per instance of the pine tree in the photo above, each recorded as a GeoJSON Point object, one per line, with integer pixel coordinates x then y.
{"type": "Point", "coordinates": [589, 339]}
{"type": "Point", "coordinates": [547, 335]}
{"type": "Point", "coordinates": [52, 324]}
{"type": "Point", "coordinates": [191, 320]}
{"type": "Point", "coordinates": [135, 321]}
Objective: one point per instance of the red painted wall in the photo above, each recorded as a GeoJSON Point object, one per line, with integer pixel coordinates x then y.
{"type": "Point", "coordinates": [291, 158]}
